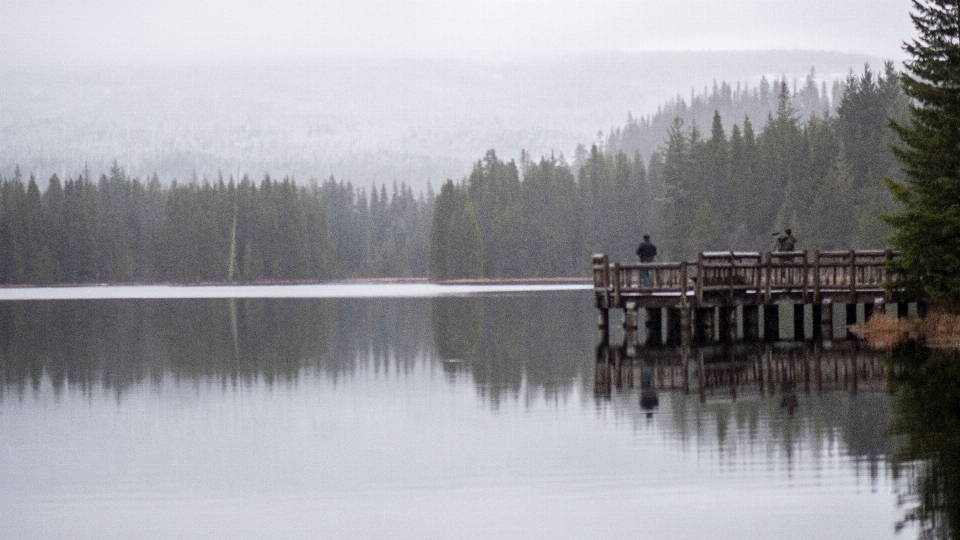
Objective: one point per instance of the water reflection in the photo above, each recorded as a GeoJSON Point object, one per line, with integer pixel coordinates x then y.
{"type": "Point", "coordinates": [783, 396]}
{"type": "Point", "coordinates": [540, 341]}
{"type": "Point", "coordinates": [927, 417]}
{"type": "Point", "coordinates": [780, 369]}
{"type": "Point", "coordinates": [347, 417]}
{"type": "Point", "coordinates": [502, 341]}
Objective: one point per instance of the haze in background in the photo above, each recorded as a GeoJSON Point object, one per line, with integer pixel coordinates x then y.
{"type": "Point", "coordinates": [88, 32]}
{"type": "Point", "coordinates": [377, 92]}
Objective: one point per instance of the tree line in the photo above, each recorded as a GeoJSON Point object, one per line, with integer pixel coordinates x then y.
{"type": "Point", "coordinates": [121, 229]}
{"type": "Point", "coordinates": [717, 191]}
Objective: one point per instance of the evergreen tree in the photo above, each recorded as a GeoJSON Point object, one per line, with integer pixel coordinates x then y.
{"type": "Point", "coordinates": [13, 231]}
{"type": "Point", "coordinates": [456, 243]}
{"type": "Point", "coordinates": [551, 221]}
{"type": "Point", "coordinates": [751, 188]}
{"type": "Point", "coordinates": [781, 166]}
{"type": "Point", "coordinates": [927, 230]}
{"type": "Point", "coordinates": [598, 194]}
{"type": "Point", "coordinates": [831, 213]}
{"type": "Point", "coordinates": [716, 174]}
{"type": "Point", "coordinates": [704, 230]}
{"type": "Point", "coordinates": [54, 226]}
{"type": "Point", "coordinates": [494, 191]}
{"type": "Point", "coordinates": [679, 203]}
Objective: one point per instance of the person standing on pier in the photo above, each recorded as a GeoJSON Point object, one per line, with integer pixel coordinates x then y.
{"type": "Point", "coordinates": [787, 242]}
{"type": "Point", "coordinates": [647, 251]}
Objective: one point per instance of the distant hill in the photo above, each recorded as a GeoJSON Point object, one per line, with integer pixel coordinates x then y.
{"type": "Point", "coordinates": [365, 121]}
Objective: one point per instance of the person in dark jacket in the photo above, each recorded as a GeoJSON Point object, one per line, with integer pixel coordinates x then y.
{"type": "Point", "coordinates": [647, 251]}
{"type": "Point", "coordinates": [787, 242]}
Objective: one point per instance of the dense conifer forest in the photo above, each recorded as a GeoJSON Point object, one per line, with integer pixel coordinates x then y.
{"type": "Point", "coordinates": [812, 164]}
{"type": "Point", "coordinates": [119, 229]}
{"type": "Point", "coordinates": [698, 191]}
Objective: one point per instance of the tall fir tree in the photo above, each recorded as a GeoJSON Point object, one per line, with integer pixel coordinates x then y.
{"type": "Point", "coordinates": [927, 229]}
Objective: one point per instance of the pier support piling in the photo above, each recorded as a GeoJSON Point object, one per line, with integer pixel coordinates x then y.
{"type": "Point", "coordinates": [771, 322]}
{"type": "Point", "coordinates": [630, 325]}
{"type": "Point", "coordinates": [826, 320]}
{"type": "Point", "coordinates": [751, 322]}
{"type": "Point", "coordinates": [674, 320]}
{"type": "Point", "coordinates": [603, 324]}
{"type": "Point", "coordinates": [654, 326]}
{"type": "Point", "coordinates": [798, 320]}
{"type": "Point", "coordinates": [851, 320]}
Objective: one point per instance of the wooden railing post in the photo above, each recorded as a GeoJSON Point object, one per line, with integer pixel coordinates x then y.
{"type": "Point", "coordinates": [698, 284]}
{"type": "Point", "coordinates": [806, 277]}
{"type": "Point", "coordinates": [816, 277]}
{"type": "Point", "coordinates": [731, 274]}
{"type": "Point", "coordinates": [683, 280]}
{"type": "Point", "coordinates": [766, 274]}
{"type": "Point", "coordinates": [605, 261]}
{"type": "Point", "coordinates": [882, 275]}
{"type": "Point", "coordinates": [853, 275]}
{"type": "Point", "coordinates": [616, 284]}
{"type": "Point", "coordinates": [758, 278]}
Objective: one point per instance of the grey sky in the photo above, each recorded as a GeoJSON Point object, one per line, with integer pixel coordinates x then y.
{"type": "Point", "coordinates": [178, 31]}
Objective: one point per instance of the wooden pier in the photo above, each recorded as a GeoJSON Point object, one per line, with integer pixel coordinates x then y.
{"type": "Point", "coordinates": [730, 296]}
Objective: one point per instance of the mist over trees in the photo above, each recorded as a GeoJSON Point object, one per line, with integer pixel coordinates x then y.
{"type": "Point", "coordinates": [702, 189]}
{"type": "Point", "coordinates": [415, 121]}
{"type": "Point", "coordinates": [732, 102]}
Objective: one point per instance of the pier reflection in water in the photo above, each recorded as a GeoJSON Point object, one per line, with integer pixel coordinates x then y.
{"type": "Point", "coordinates": [789, 397]}
{"type": "Point", "coordinates": [769, 369]}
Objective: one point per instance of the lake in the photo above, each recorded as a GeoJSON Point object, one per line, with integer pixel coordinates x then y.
{"type": "Point", "coordinates": [398, 411]}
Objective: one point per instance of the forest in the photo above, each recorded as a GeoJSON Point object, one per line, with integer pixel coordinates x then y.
{"type": "Point", "coordinates": [122, 230]}
{"type": "Point", "coordinates": [809, 166]}
{"type": "Point", "coordinates": [822, 177]}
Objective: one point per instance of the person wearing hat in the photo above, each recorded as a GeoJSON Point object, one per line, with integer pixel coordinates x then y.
{"type": "Point", "coordinates": [647, 251]}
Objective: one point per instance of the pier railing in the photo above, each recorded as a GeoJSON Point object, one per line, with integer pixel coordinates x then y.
{"type": "Point", "coordinates": [717, 276]}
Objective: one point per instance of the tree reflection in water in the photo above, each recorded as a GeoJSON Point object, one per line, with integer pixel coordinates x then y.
{"type": "Point", "coordinates": [505, 342]}
{"type": "Point", "coordinates": [541, 340]}
{"type": "Point", "coordinates": [927, 418]}
{"type": "Point", "coordinates": [825, 399]}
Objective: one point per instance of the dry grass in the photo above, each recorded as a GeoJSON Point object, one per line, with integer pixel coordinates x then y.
{"type": "Point", "coordinates": [883, 331]}
{"type": "Point", "coordinates": [937, 329]}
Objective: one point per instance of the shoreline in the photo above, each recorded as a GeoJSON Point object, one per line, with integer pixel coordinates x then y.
{"type": "Point", "coordinates": [350, 281]}
{"type": "Point", "coordinates": [938, 330]}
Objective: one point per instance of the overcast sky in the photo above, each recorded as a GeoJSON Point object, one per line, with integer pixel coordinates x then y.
{"type": "Point", "coordinates": [190, 31]}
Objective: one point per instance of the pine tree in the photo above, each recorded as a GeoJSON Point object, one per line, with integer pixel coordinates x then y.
{"type": "Point", "coordinates": [704, 230]}
{"type": "Point", "coordinates": [832, 211]}
{"type": "Point", "coordinates": [927, 230]}
{"type": "Point", "coordinates": [456, 243]}
{"type": "Point", "coordinates": [718, 188]}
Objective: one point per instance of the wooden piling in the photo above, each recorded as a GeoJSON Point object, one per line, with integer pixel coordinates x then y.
{"type": "Point", "coordinates": [826, 320]}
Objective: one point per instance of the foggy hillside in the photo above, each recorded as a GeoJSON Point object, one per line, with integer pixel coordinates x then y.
{"type": "Point", "coordinates": [364, 121]}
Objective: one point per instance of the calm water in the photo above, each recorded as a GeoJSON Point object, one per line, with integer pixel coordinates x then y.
{"type": "Point", "coordinates": [462, 415]}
